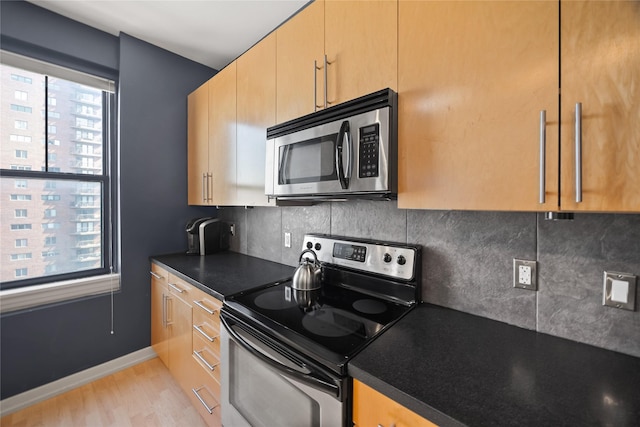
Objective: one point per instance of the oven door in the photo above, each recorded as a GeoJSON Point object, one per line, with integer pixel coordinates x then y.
{"type": "Point", "coordinates": [346, 156]}
{"type": "Point", "coordinates": [265, 384]}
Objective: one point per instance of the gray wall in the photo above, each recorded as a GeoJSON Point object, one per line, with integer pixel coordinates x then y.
{"type": "Point", "coordinates": [47, 343]}
{"type": "Point", "coordinates": [468, 256]}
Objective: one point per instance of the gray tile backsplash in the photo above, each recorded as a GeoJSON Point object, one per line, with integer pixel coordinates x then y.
{"type": "Point", "coordinates": [573, 257]}
{"type": "Point", "coordinates": [468, 256]}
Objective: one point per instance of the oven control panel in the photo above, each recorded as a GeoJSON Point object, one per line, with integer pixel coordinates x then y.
{"type": "Point", "coordinates": [389, 259]}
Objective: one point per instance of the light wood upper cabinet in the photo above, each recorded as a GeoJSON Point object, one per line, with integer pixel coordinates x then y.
{"type": "Point", "coordinates": [371, 408]}
{"type": "Point", "coordinates": [359, 39]}
{"type": "Point", "coordinates": [256, 111]}
{"type": "Point", "coordinates": [198, 144]}
{"type": "Point", "coordinates": [300, 42]}
{"type": "Point", "coordinates": [222, 136]}
{"type": "Point", "coordinates": [361, 44]}
{"type": "Point", "coordinates": [473, 78]}
{"type": "Point", "coordinates": [601, 70]}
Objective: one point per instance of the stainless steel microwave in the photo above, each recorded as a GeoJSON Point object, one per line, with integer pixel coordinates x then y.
{"type": "Point", "coordinates": [346, 151]}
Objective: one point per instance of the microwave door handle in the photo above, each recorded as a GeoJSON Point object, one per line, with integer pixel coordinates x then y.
{"type": "Point", "coordinates": [310, 378]}
{"type": "Point", "coordinates": [343, 176]}
{"type": "Point", "coordinates": [283, 162]}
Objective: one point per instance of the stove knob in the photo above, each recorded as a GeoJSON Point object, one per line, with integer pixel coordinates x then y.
{"type": "Point", "coordinates": [309, 245]}
{"type": "Point", "coordinates": [387, 258]}
{"type": "Point", "coordinates": [402, 260]}
{"type": "Point", "coordinates": [318, 246]}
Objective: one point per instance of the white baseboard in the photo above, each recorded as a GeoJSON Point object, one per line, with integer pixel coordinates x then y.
{"type": "Point", "coordinates": [38, 394]}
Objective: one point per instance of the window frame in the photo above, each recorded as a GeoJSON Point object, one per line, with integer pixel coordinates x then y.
{"type": "Point", "coordinates": [107, 180]}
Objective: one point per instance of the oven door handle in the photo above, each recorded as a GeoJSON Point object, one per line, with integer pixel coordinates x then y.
{"type": "Point", "coordinates": [311, 378]}
{"type": "Point", "coordinates": [343, 174]}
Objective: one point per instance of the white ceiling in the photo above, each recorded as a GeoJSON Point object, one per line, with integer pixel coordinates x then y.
{"type": "Point", "coordinates": [211, 32]}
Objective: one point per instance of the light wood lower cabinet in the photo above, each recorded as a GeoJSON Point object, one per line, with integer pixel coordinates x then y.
{"type": "Point", "coordinates": [372, 408]}
{"type": "Point", "coordinates": [185, 333]}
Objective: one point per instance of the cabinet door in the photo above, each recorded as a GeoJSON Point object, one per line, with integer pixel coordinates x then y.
{"type": "Point", "coordinates": [180, 344]}
{"type": "Point", "coordinates": [361, 43]}
{"type": "Point", "coordinates": [222, 136]}
{"type": "Point", "coordinates": [198, 144]}
{"type": "Point", "coordinates": [256, 94]}
{"type": "Point", "coordinates": [159, 330]}
{"type": "Point", "coordinates": [300, 42]}
{"type": "Point", "coordinates": [600, 69]}
{"type": "Point", "coordinates": [371, 408]}
{"type": "Point", "coordinates": [473, 78]}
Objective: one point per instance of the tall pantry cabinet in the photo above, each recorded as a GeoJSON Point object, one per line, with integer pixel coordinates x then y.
{"type": "Point", "coordinates": [480, 85]}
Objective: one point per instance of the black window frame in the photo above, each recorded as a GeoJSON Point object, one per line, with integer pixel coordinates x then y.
{"type": "Point", "coordinates": [107, 180]}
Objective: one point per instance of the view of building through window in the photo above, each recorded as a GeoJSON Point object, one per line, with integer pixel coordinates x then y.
{"type": "Point", "coordinates": [51, 222]}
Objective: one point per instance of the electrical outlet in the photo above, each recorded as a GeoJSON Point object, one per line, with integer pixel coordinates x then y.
{"type": "Point", "coordinates": [287, 240]}
{"type": "Point", "coordinates": [524, 274]}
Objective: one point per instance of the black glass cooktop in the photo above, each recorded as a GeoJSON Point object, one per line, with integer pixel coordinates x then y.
{"type": "Point", "coordinates": [338, 319]}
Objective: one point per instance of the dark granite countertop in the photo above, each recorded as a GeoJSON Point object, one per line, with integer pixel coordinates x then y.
{"type": "Point", "coordinates": [459, 369]}
{"type": "Point", "coordinates": [224, 273]}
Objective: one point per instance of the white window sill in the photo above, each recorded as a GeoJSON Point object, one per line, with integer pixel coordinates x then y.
{"type": "Point", "coordinates": [33, 296]}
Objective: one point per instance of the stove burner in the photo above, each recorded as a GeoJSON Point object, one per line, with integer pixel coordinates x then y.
{"type": "Point", "coordinates": [332, 322]}
{"type": "Point", "coordinates": [273, 300]}
{"type": "Point", "coordinates": [370, 306]}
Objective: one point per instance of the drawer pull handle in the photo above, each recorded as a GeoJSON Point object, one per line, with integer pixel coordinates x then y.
{"type": "Point", "coordinates": [174, 287]}
{"type": "Point", "coordinates": [578, 136]}
{"type": "Point", "coordinates": [209, 409]}
{"type": "Point", "coordinates": [199, 329]}
{"type": "Point", "coordinates": [202, 306]}
{"type": "Point", "coordinates": [203, 360]}
{"type": "Point", "coordinates": [543, 150]}
{"type": "Point", "coordinates": [157, 276]}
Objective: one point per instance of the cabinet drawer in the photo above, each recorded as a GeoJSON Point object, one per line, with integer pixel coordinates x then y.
{"type": "Point", "coordinates": [159, 273]}
{"type": "Point", "coordinates": [207, 355]}
{"type": "Point", "coordinates": [206, 305]}
{"type": "Point", "coordinates": [204, 394]}
{"type": "Point", "coordinates": [180, 288]}
{"type": "Point", "coordinates": [208, 332]}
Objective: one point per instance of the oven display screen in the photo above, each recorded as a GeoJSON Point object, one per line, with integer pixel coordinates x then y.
{"type": "Point", "coordinates": [350, 252]}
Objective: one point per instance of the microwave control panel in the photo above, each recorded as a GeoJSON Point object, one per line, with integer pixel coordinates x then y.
{"type": "Point", "coordinates": [369, 149]}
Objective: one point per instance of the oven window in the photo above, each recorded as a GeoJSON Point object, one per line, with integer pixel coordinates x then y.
{"type": "Point", "coordinates": [308, 161]}
{"type": "Point", "coordinates": [264, 397]}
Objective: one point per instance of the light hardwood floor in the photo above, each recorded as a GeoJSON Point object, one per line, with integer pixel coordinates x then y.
{"type": "Point", "coordinates": [143, 395]}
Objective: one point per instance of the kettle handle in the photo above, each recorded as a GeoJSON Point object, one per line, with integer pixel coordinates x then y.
{"type": "Point", "coordinates": [315, 257]}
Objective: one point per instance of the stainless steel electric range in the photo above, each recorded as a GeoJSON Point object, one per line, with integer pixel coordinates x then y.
{"type": "Point", "coordinates": [286, 351]}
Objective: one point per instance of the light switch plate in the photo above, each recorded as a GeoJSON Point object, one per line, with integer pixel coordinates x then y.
{"type": "Point", "coordinates": [525, 274]}
{"type": "Point", "coordinates": [619, 290]}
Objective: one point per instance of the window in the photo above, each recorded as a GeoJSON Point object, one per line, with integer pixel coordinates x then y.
{"type": "Point", "coordinates": [21, 108]}
{"type": "Point", "coordinates": [21, 95]}
{"type": "Point", "coordinates": [20, 227]}
{"type": "Point", "coordinates": [66, 187]}
{"type": "Point", "coordinates": [21, 79]}
{"type": "Point", "coordinates": [19, 138]}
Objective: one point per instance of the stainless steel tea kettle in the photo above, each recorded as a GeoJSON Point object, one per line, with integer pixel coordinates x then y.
{"type": "Point", "coordinates": [307, 275]}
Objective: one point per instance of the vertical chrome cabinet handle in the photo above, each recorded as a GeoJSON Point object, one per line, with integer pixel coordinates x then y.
{"type": "Point", "coordinates": [315, 86]}
{"type": "Point", "coordinates": [578, 152]}
{"type": "Point", "coordinates": [325, 81]}
{"type": "Point", "coordinates": [204, 177]}
{"type": "Point", "coordinates": [209, 185]}
{"type": "Point", "coordinates": [543, 150]}
{"type": "Point", "coordinates": [164, 311]}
